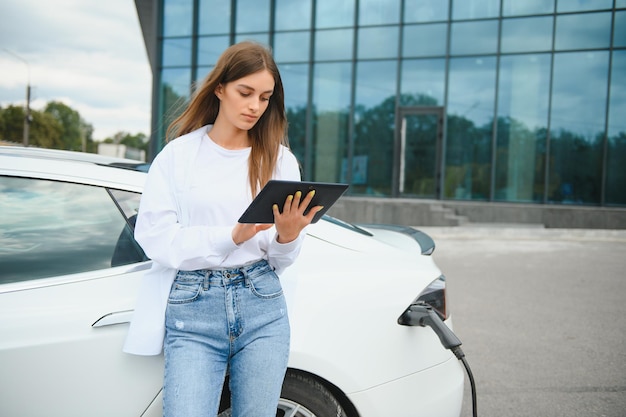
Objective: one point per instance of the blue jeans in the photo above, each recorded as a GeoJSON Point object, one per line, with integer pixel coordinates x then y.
{"type": "Point", "coordinates": [218, 320]}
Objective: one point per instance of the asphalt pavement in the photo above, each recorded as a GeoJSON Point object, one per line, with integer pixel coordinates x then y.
{"type": "Point", "coordinates": [542, 317]}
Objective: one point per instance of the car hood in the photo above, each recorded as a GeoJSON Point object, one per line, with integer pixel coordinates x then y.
{"type": "Point", "coordinates": [371, 237]}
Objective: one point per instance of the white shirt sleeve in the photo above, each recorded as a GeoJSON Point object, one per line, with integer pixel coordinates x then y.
{"type": "Point", "coordinates": [160, 233]}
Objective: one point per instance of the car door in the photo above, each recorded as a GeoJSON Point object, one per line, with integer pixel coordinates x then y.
{"type": "Point", "coordinates": [69, 275]}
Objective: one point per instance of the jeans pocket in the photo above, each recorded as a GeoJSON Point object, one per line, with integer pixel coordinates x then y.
{"type": "Point", "coordinates": [184, 290]}
{"type": "Point", "coordinates": [266, 285]}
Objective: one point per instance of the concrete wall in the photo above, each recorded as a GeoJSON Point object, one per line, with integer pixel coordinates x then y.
{"type": "Point", "coordinates": [416, 212]}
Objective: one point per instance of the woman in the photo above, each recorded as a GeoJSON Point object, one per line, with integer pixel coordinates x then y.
{"type": "Point", "coordinates": [213, 299]}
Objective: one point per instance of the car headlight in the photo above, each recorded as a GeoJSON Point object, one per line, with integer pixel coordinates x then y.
{"type": "Point", "coordinates": [434, 295]}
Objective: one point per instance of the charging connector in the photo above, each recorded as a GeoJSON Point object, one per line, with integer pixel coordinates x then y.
{"type": "Point", "coordinates": [424, 315]}
{"type": "Point", "coordinates": [421, 314]}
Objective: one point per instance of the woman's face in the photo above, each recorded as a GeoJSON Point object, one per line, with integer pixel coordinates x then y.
{"type": "Point", "coordinates": [243, 101]}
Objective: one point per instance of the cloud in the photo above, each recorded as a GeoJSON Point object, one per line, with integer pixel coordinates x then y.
{"type": "Point", "coordinates": [89, 55]}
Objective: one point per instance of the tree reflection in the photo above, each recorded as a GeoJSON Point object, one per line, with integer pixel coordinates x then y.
{"type": "Point", "coordinates": [574, 160]}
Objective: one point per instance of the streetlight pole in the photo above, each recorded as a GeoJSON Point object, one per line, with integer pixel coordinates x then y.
{"type": "Point", "coordinates": [27, 117]}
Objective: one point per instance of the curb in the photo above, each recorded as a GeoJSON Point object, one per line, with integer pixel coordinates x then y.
{"type": "Point", "coordinates": [521, 232]}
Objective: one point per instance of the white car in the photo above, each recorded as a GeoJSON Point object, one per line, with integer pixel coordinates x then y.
{"type": "Point", "coordinates": [69, 275]}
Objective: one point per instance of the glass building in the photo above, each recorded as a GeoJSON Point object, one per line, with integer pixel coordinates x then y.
{"type": "Point", "coordinates": [478, 100]}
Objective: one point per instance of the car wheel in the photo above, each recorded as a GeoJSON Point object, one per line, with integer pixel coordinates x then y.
{"type": "Point", "coordinates": [304, 396]}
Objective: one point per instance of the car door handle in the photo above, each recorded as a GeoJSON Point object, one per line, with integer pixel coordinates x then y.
{"type": "Point", "coordinates": [118, 317]}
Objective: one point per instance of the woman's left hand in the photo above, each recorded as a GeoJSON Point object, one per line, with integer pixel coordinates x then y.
{"type": "Point", "coordinates": [292, 220]}
{"type": "Point", "coordinates": [244, 231]}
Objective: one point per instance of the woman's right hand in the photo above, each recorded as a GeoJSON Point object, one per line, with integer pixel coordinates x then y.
{"type": "Point", "coordinates": [292, 220]}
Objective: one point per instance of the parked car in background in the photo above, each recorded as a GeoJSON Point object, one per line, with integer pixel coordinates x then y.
{"type": "Point", "coordinates": [69, 276]}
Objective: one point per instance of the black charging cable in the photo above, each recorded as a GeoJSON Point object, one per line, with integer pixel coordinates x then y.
{"type": "Point", "coordinates": [421, 314]}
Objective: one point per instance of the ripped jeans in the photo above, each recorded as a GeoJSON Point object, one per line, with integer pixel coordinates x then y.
{"type": "Point", "coordinates": [223, 320]}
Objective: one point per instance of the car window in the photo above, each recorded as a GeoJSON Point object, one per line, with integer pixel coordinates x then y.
{"type": "Point", "coordinates": [127, 249]}
{"type": "Point", "coordinates": [127, 202]}
{"type": "Point", "coordinates": [51, 228]}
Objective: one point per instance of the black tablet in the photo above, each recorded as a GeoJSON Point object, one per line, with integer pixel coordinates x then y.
{"type": "Point", "coordinates": [276, 192]}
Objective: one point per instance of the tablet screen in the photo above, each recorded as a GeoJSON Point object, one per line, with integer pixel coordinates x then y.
{"type": "Point", "coordinates": [276, 192]}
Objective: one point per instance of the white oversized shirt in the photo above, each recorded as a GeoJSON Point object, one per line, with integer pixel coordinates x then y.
{"type": "Point", "coordinates": [216, 195]}
{"type": "Point", "coordinates": [194, 194]}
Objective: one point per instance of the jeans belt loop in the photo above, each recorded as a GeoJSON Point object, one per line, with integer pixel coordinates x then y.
{"type": "Point", "coordinates": [244, 273]}
{"type": "Point", "coordinates": [207, 281]}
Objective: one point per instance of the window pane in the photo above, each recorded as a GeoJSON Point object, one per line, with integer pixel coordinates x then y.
{"type": "Point", "coordinates": [177, 17]}
{"type": "Point", "coordinates": [253, 15]}
{"type": "Point", "coordinates": [331, 103]}
{"type": "Point", "coordinates": [331, 88]}
{"type": "Point", "coordinates": [375, 83]}
{"type": "Point", "coordinates": [517, 7]}
{"type": "Point", "coordinates": [582, 31]}
{"type": "Point", "coordinates": [127, 250]}
{"type": "Point", "coordinates": [293, 15]}
{"type": "Point", "coordinates": [527, 34]}
{"type": "Point", "coordinates": [474, 37]}
{"type": "Point", "coordinates": [176, 52]}
{"type": "Point", "coordinates": [579, 92]}
{"type": "Point", "coordinates": [619, 35]}
{"type": "Point", "coordinates": [291, 46]}
{"type": "Point", "coordinates": [419, 139]}
{"type": "Point", "coordinates": [372, 166]}
{"type": "Point", "coordinates": [523, 94]}
{"type": "Point", "coordinates": [582, 5]}
{"type": "Point", "coordinates": [423, 82]}
{"type": "Point", "coordinates": [475, 9]}
{"type": "Point", "coordinates": [334, 13]}
{"type": "Point", "coordinates": [577, 126]}
{"type": "Point", "coordinates": [202, 72]}
{"type": "Point", "coordinates": [378, 12]}
{"type": "Point", "coordinates": [620, 3]}
{"type": "Point", "coordinates": [616, 174]}
{"type": "Point", "coordinates": [173, 92]}
{"type": "Point", "coordinates": [617, 110]}
{"type": "Point", "coordinates": [128, 202]}
{"type": "Point", "coordinates": [424, 40]}
{"type": "Point", "coordinates": [296, 84]}
{"type": "Point", "coordinates": [524, 87]}
{"type": "Point", "coordinates": [214, 17]}
{"type": "Point", "coordinates": [52, 228]}
{"type": "Point", "coordinates": [378, 42]}
{"type": "Point", "coordinates": [210, 49]}
{"type": "Point", "coordinates": [333, 44]}
{"type": "Point", "coordinates": [471, 97]}
{"type": "Point", "coordinates": [175, 85]}
{"type": "Point", "coordinates": [263, 38]}
{"type": "Point", "coordinates": [425, 11]}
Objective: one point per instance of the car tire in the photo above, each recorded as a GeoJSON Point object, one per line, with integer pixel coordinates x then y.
{"type": "Point", "coordinates": [307, 397]}
{"type": "Point", "coordinates": [301, 396]}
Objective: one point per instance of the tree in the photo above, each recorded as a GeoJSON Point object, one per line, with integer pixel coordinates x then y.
{"type": "Point", "coordinates": [137, 141]}
{"type": "Point", "coordinates": [12, 123]}
{"type": "Point", "coordinates": [45, 130]}
{"type": "Point", "coordinates": [75, 130]}
{"type": "Point", "coordinates": [57, 126]}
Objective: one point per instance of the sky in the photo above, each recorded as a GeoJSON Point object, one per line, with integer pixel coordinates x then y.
{"type": "Point", "coordinates": [88, 54]}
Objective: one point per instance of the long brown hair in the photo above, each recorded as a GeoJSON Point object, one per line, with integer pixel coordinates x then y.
{"type": "Point", "coordinates": [268, 133]}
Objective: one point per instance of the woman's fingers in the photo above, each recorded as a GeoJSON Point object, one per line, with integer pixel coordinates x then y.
{"type": "Point", "coordinates": [309, 216]}
{"type": "Point", "coordinates": [288, 203]}
{"type": "Point", "coordinates": [297, 203]}
{"type": "Point", "coordinates": [307, 200]}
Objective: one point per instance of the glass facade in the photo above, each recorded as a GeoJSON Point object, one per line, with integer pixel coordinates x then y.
{"type": "Point", "coordinates": [489, 100]}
